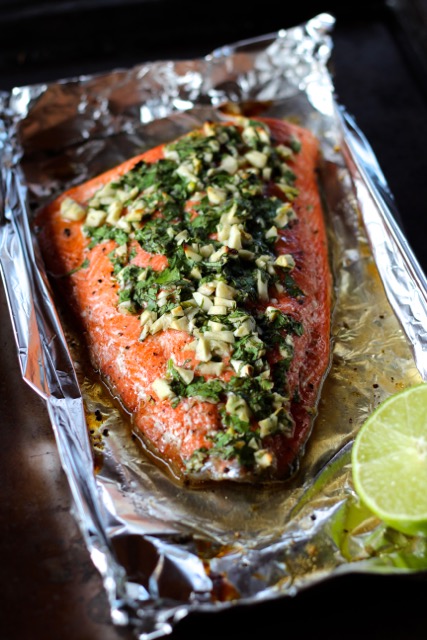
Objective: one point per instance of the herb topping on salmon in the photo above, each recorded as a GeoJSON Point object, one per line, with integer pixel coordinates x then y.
{"type": "Point", "coordinates": [199, 271]}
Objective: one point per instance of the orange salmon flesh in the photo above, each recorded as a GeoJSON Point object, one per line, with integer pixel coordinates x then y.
{"type": "Point", "coordinates": [244, 255]}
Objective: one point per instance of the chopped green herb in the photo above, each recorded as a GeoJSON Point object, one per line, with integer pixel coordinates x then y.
{"type": "Point", "coordinates": [84, 265]}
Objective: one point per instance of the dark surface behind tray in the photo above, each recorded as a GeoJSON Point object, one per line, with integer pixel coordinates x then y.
{"type": "Point", "coordinates": [48, 586]}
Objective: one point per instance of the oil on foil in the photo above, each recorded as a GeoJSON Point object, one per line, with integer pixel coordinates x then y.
{"type": "Point", "coordinates": [162, 550]}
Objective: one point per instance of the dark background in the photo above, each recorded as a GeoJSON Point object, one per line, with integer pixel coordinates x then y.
{"type": "Point", "coordinates": [48, 586]}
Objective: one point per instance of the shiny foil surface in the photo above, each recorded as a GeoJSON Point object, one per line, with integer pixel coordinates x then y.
{"type": "Point", "coordinates": [164, 550]}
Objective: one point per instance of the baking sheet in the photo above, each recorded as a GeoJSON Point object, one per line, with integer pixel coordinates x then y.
{"type": "Point", "coordinates": [164, 551]}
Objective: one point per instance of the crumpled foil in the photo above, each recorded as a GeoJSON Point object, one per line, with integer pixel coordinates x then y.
{"type": "Point", "coordinates": [162, 550]}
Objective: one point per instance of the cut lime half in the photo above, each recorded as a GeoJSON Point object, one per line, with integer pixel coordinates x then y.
{"type": "Point", "coordinates": [389, 461]}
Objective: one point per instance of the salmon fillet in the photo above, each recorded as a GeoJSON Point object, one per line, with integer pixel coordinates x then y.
{"type": "Point", "coordinates": [199, 274]}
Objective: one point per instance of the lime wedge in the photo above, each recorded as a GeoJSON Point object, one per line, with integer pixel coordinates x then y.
{"type": "Point", "coordinates": [389, 461]}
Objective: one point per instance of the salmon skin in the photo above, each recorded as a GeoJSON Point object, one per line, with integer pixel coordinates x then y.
{"type": "Point", "coordinates": [199, 274]}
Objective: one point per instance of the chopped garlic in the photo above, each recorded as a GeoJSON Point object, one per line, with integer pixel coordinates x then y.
{"type": "Point", "coordinates": [268, 425]}
{"type": "Point", "coordinates": [223, 336]}
{"type": "Point", "coordinates": [224, 302]}
{"type": "Point", "coordinates": [230, 217]}
{"type": "Point", "coordinates": [272, 232]}
{"type": "Point", "coordinates": [229, 164]}
{"type": "Point", "coordinates": [244, 329]}
{"type": "Point", "coordinates": [243, 369]}
{"type": "Point", "coordinates": [196, 273]}
{"type": "Point", "coordinates": [187, 375]}
{"type": "Point", "coordinates": [210, 368]}
{"type": "Point", "coordinates": [216, 326]}
{"type": "Point", "coordinates": [178, 311]}
{"type": "Point", "coordinates": [114, 212]}
{"type": "Point", "coordinates": [72, 210]}
{"type": "Point", "coordinates": [218, 310]}
{"type": "Point", "coordinates": [203, 351]}
{"type": "Point", "coordinates": [95, 217]}
{"type": "Point", "coordinates": [206, 250]}
{"type": "Point", "coordinates": [223, 232]}
{"type": "Point", "coordinates": [180, 324]}
{"type": "Point", "coordinates": [202, 300]}
{"type": "Point", "coordinates": [125, 307]}
{"type": "Point", "coordinates": [162, 389]}
{"type": "Point", "coordinates": [181, 237]}
{"type": "Point", "coordinates": [237, 406]}
{"type": "Point", "coordinates": [257, 159]}
{"type": "Point", "coordinates": [170, 154]}
{"type": "Point", "coordinates": [217, 254]}
{"type": "Point", "coordinates": [192, 255]}
{"type": "Point", "coordinates": [234, 240]}
{"type": "Point", "coordinates": [285, 260]}
{"type": "Point", "coordinates": [147, 317]}
{"type": "Point", "coordinates": [161, 323]}
{"type": "Point", "coordinates": [207, 288]}
{"type": "Point", "coordinates": [186, 171]}
{"type": "Point", "coordinates": [216, 195]}
{"type": "Point", "coordinates": [263, 458]}
{"type": "Point", "coordinates": [284, 215]}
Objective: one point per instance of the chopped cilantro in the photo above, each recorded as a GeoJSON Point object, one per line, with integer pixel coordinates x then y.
{"type": "Point", "coordinates": [106, 232]}
{"type": "Point", "coordinates": [295, 144]}
{"type": "Point", "coordinates": [83, 265]}
{"type": "Point", "coordinates": [291, 286]}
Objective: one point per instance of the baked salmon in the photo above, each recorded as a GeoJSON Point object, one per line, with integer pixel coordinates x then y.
{"type": "Point", "coordinates": [200, 277]}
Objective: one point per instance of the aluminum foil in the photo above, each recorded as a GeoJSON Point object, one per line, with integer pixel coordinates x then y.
{"type": "Point", "coordinates": [162, 550]}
